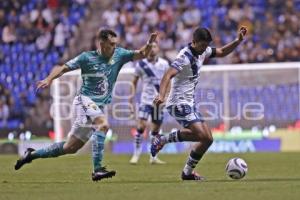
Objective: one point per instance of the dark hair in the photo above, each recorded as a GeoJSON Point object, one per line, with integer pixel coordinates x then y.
{"type": "Point", "coordinates": [105, 33]}
{"type": "Point", "coordinates": [202, 34]}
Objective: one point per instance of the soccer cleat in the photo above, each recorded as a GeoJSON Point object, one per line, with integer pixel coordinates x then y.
{"type": "Point", "coordinates": [102, 173]}
{"type": "Point", "coordinates": [26, 158]}
{"type": "Point", "coordinates": [155, 160]}
{"type": "Point", "coordinates": [194, 176]}
{"type": "Point", "coordinates": [156, 145]}
{"type": "Point", "coordinates": [134, 160]}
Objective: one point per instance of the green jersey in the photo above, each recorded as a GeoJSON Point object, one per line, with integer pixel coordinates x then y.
{"type": "Point", "coordinates": [99, 74]}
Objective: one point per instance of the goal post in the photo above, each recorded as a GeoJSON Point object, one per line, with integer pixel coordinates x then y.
{"type": "Point", "coordinates": [228, 96]}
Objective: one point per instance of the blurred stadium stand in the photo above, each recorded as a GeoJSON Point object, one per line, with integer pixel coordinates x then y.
{"type": "Point", "coordinates": [273, 25]}
{"type": "Point", "coordinates": [36, 34]}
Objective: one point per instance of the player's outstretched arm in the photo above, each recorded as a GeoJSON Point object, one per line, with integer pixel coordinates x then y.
{"type": "Point", "coordinates": [164, 85]}
{"type": "Point", "coordinates": [146, 49]}
{"type": "Point", "coordinates": [228, 48]}
{"type": "Point", "coordinates": [56, 72]}
{"type": "Point", "coordinates": [133, 89]}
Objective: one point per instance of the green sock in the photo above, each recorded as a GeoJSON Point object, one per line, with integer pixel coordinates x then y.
{"type": "Point", "coordinates": [98, 138]}
{"type": "Point", "coordinates": [51, 151]}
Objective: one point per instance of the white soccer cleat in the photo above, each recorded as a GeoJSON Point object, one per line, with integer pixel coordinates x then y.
{"type": "Point", "coordinates": [155, 160]}
{"type": "Point", "coordinates": [134, 159]}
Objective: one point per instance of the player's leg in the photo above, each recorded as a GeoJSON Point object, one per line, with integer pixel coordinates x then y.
{"type": "Point", "coordinates": [185, 116]}
{"type": "Point", "coordinates": [57, 149]}
{"type": "Point", "coordinates": [157, 119]}
{"type": "Point", "coordinates": [138, 139]}
{"type": "Point", "coordinates": [100, 126]}
{"type": "Point", "coordinates": [144, 112]}
{"type": "Point", "coordinates": [201, 134]}
{"type": "Point", "coordinates": [195, 130]}
{"type": "Point", "coordinates": [71, 146]}
{"type": "Point", "coordinates": [78, 135]}
{"type": "Point", "coordinates": [155, 128]}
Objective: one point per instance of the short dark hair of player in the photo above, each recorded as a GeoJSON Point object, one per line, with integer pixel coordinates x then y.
{"type": "Point", "coordinates": [202, 34]}
{"type": "Point", "coordinates": [105, 33]}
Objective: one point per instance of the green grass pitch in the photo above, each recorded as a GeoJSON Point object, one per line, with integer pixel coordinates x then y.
{"type": "Point", "coordinates": [273, 176]}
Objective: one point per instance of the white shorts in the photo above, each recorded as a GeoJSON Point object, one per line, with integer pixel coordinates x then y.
{"type": "Point", "coordinates": [85, 111]}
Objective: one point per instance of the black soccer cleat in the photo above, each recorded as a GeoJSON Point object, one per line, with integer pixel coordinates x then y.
{"type": "Point", "coordinates": [192, 177]}
{"type": "Point", "coordinates": [26, 158]}
{"type": "Point", "coordinates": [102, 173]}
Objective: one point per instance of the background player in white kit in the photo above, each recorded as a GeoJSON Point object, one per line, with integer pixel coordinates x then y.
{"type": "Point", "coordinates": [150, 70]}
{"type": "Point", "coordinates": [185, 71]}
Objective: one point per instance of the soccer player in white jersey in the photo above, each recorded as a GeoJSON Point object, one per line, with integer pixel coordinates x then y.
{"type": "Point", "coordinates": [184, 72]}
{"type": "Point", "coordinates": [150, 70]}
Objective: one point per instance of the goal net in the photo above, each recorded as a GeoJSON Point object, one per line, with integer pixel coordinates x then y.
{"type": "Point", "coordinates": [246, 96]}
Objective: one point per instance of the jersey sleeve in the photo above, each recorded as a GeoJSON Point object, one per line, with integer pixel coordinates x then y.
{"type": "Point", "coordinates": [180, 62]}
{"type": "Point", "coordinates": [210, 52]}
{"type": "Point", "coordinates": [137, 70]}
{"type": "Point", "coordinates": [166, 65]}
{"type": "Point", "coordinates": [126, 55]}
{"type": "Point", "coordinates": [77, 62]}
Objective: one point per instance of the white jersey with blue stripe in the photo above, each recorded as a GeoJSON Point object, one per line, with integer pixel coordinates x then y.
{"type": "Point", "coordinates": [184, 83]}
{"type": "Point", "coordinates": [151, 75]}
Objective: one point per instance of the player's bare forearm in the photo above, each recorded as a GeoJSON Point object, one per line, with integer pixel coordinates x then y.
{"type": "Point", "coordinates": [146, 49]}
{"type": "Point", "coordinates": [163, 88]}
{"type": "Point", "coordinates": [168, 89]}
{"type": "Point", "coordinates": [55, 73]}
{"type": "Point", "coordinates": [133, 88]}
{"type": "Point", "coordinates": [228, 48]}
{"type": "Point", "coordinates": [164, 84]}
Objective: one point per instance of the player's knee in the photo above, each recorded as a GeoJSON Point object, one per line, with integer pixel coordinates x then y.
{"type": "Point", "coordinates": [204, 137]}
{"type": "Point", "coordinates": [141, 129]}
{"type": "Point", "coordinates": [101, 124]}
{"type": "Point", "coordinates": [70, 149]}
{"type": "Point", "coordinates": [141, 126]}
{"type": "Point", "coordinates": [104, 128]}
{"type": "Point", "coordinates": [208, 139]}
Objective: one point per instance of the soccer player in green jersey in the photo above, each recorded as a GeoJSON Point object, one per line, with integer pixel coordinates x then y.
{"type": "Point", "coordinates": [99, 71]}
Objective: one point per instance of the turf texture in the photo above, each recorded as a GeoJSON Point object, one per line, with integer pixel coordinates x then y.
{"type": "Point", "coordinates": [273, 176]}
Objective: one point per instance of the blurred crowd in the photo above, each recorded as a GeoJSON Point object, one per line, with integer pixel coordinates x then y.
{"type": "Point", "coordinates": [274, 26]}
{"type": "Point", "coordinates": [33, 36]}
{"type": "Point", "coordinates": [43, 22]}
{"type": "Point", "coordinates": [5, 105]}
{"type": "Point", "coordinates": [36, 112]}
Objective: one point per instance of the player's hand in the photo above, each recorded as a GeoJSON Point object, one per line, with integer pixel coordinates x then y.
{"type": "Point", "coordinates": [242, 32]}
{"type": "Point", "coordinates": [43, 84]}
{"type": "Point", "coordinates": [158, 100]}
{"type": "Point", "coordinates": [152, 38]}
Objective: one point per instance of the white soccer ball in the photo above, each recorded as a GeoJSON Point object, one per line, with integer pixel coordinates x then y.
{"type": "Point", "coordinates": [236, 168]}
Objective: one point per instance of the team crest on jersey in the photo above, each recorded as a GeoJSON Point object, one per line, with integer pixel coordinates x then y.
{"type": "Point", "coordinates": [93, 106]}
